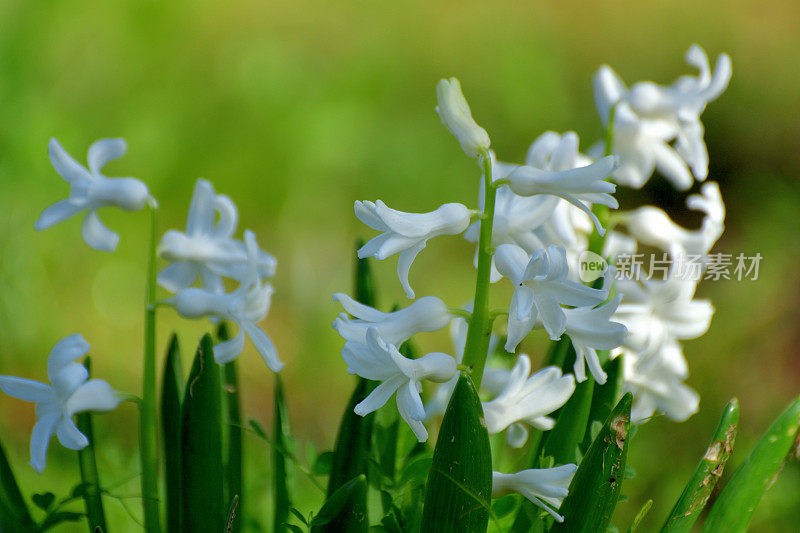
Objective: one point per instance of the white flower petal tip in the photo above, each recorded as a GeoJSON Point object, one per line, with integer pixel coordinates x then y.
{"type": "Point", "coordinates": [546, 488]}
{"type": "Point", "coordinates": [658, 127]}
{"type": "Point", "coordinates": [90, 190]}
{"type": "Point", "coordinates": [426, 314]}
{"type": "Point", "coordinates": [528, 398]}
{"type": "Point", "coordinates": [375, 359]}
{"type": "Point", "coordinates": [591, 329]}
{"type": "Point", "coordinates": [245, 307]}
{"type": "Point", "coordinates": [207, 250]}
{"type": "Point", "coordinates": [407, 233]}
{"type": "Point", "coordinates": [70, 393]}
{"type": "Point", "coordinates": [456, 116]}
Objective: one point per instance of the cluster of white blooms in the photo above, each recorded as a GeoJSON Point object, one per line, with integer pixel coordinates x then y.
{"type": "Point", "coordinates": [543, 216]}
{"type": "Point", "coordinates": [207, 251]}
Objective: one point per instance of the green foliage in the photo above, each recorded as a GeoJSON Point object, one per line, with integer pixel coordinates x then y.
{"type": "Point", "coordinates": [280, 477]}
{"type": "Point", "coordinates": [14, 514]}
{"type": "Point", "coordinates": [605, 397]}
{"type": "Point", "coordinates": [595, 489]}
{"type": "Point", "coordinates": [708, 472]}
{"type": "Point", "coordinates": [201, 438]}
{"type": "Point", "coordinates": [735, 506]}
{"type": "Point", "coordinates": [171, 393]}
{"type": "Point", "coordinates": [459, 489]}
{"type": "Point", "coordinates": [89, 477]}
{"type": "Point", "coordinates": [232, 435]}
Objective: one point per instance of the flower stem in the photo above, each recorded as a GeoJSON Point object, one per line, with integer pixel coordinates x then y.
{"type": "Point", "coordinates": [480, 325]}
{"type": "Point", "coordinates": [148, 439]}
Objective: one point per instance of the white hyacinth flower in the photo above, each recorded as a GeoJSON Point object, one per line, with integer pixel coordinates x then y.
{"type": "Point", "coordinates": [426, 314]}
{"type": "Point", "coordinates": [546, 487]}
{"type": "Point", "coordinates": [207, 249]}
{"type": "Point", "coordinates": [246, 306]}
{"type": "Point", "coordinates": [652, 226]}
{"type": "Point", "coordinates": [657, 385]}
{"type": "Point", "coordinates": [457, 117]}
{"type": "Point", "coordinates": [90, 190]}
{"type": "Point", "coordinates": [648, 117]}
{"type": "Point", "coordinates": [71, 392]}
{"type": "Point", "coordinates": [591, 329]}
{"type": "Point", "coordinates": [528, 399]}
{"type": "Point", "coordinates": [540, 288]}
{"type": "Point", "coordinates": [555, 167]}
{"type": "Point", "coordinates": [381, 361]}
{"type": "Point", "coordinates": [407, 233]}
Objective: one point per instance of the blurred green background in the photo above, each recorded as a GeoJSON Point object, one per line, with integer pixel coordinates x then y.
{"type": "Point", "coordinates": [295, 110]}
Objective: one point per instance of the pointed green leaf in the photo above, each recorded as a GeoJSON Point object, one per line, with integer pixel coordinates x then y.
{"type": "Point", "coordinates": [735, 506]}
{"type": "Point", "coordinates": [88, 465]}
{"type": "Point", "coordinates": [338, 502]}
{"type": "Point", "coordinates": [459, 490]}
{"type": "Point", "coordinates": [204, 506]}
{"type": "Point", "coordinates": [364, 280]}
{"type": "Point", "coordinates": [171, 393]}
{"type": "Point", "coordinates": [232, 433]}
{"type": "Point", "coordinates": [604, 397]}
{"type": "Point", "coordinates": [595, 489]}
{"type": "Point", "coordinates": [637, 520]}
{"type": "Point", "coordinates": [694, 497]}
{"type": "Point", "coordinates": [14, 514]}
{"type": "Point", "coordinates": [281, 435]}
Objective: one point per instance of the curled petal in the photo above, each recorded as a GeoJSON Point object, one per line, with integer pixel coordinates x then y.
{"type": "Point", "coordinates": [58, 212]}
{"type": "Point", "coordinates": [94, 395]}
{"type": "Point", "coordinates": [97, 235]}
{"type": "Point", "coordinates": [40, 438]}
{"type": "Point", "coordinates": [70, 436]}
{"type": "Point", "coordinates": [227, 351]}
{"type": "Point", "coordinates": [103, 151]}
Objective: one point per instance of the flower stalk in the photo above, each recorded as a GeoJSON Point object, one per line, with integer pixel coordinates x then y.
{"type": "Point", "coordinates": [480, 325]}
{"type": "Point", "coordinates": [148, 446]}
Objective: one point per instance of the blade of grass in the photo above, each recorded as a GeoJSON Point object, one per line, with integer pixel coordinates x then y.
{"type": "Point", "coordinates": [201, 437]}
{"type": "Point", "coordinates": [595, 489]}
{"type": "Point", "coordinates": [738, 500]}
{"type": "Point", "coordinates": [709, 470]}
{"type": "Point", "coordinates": [233, 433]}
{"type": "Point", "coordinates": [15, 516]}
{"type": "Point", "coordinates": [459, 490]}
{"type": "Point", "coordinates": [171, 393]}
{"type": "Point", "coordinates": [280, 477]}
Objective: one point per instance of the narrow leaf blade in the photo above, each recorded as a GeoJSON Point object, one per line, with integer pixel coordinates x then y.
{"type": "Point", "coordinates": [281, 435]}
{"type": "Point", "coordinates": [738, 500]}
{"type": "Point", "coordinates": [14, 513]}
{"type": "Point", "coordinates": [171, 392]}
{"type": "Point", "coordinates": [708, 472]}
{"type": "Point", "coordinates": [233, 435]}
{"type": "Point", "coordinates": [458, 494]}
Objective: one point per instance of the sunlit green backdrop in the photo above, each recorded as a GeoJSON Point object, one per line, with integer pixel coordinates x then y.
{"type": "Point", "coordinates": [295, 110]}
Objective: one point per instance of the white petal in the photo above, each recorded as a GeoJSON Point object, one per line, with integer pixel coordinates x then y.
{"type": "Point", "coordinates": [263, 344]}
{"type": "Point", "coordinates": [228, 217]}
{"type": "Point", "coordinates": [64, 164]}
{"type": "Point", "coordinates": [408, 396]}
{"type": "Point", "coordinates": [40, 438]}
{"type": "Point", "coordinates": [64, 352]}
{"type": "Point", "coordinates": [200, 220]}
{"type": "Point", "coordinates": [404, 264]}
{"type": "Point", "coordinates": [97, 235]}
{"type": "Point", "coordinates": [227, 351]}
{"type": "Point", "coordinates": [103, 151]}
{"type": "Point", "coordinates": [70, 436]}
{"type": "Point", "coordinates": [177, 276]}
{"type": "Point", "coordinates": [670, 164]}
{"type": "Point", "coordinates": [517, 435]}
{"type": "Point", "coordinates": [58, 212]}
{"type": "Point", "coordinates": [380, 395]}
{"type": "Point", "coordinates": [25, 389]}
{"type": "Point", "coordinates": [94, 395]}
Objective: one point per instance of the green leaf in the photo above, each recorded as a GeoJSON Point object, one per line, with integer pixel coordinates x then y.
{"type": "Point", "coordinates": [637, 520]}
{"type": "Point", "coordinates": [282, 436]}
{"type": "Point", "coordinates": [58, 517]}
{"type": "Point", "coordinates": [43, 500]}
{"type": "Point", "coordinates": [322, 464]}
{"type": "Point", "coordinates": [14, 514]}
{"type": "Point", "coordinates": [201, 437]}
{"type": "Point", "coordinates": [171, 392]}
{"type": "Point", "coordinates": [88, 466]}
{"type": "Point", "coordinates": [459, 490]}
{"type": "Point", "coordinates": [737, 502]}
{"type": "Point", "coordinates": [364, 280]}
{"type": "Point", "coordinates": [708, 472]}
{"type": "Point", "coordinates": [595, 489]}
{"type": "Point", "coordinates": [604, 398]}
{"type": "Point", "coordinates": [233, 432]}
{"type": "Point", "coordinates": [337, 502]}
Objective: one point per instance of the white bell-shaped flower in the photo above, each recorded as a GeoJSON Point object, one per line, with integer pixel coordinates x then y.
{"type": "Point", "coordinates": [555, 167]}
{"type": "Point", "coordinates": [377, 360]}
{"type": "Point", "coordinates": [457, 117]}
{"type": "Point", "coordinates": [546, 487]}
{"type": "Point", "coordinates": [407, 233]}
{"type": "Point", "coordinates": [652, 226]}
{"type": "Point", "coordinates": [207, 249]}
{"type": "Point", "coordinates": [528, 398]}
{"type": "Point", "coordinates": [70, 392]}
{"type": "Point", "coordinates": [245, 307]}
{"type": "Point", "coordinates": [426, 314]}
{"type": "Point", "coordinates": [90, 190]}
{"type": "Point", "coordinates": [540, 288]}
{"type": "Point", "coordinates": [591, 329]}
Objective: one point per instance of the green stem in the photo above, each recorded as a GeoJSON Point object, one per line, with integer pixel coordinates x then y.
{"type": "Point", "coordinates": [148, 445]}
{"type": "Point", "coordinates": [89, 476]}
{"type": "Point", "coordinates": [609, 140]}
{"type": "Point", "coordinates": [480, 326]}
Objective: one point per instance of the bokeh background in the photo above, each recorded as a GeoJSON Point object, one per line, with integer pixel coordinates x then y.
{"type": "Point", "coordinates": [295, 110]}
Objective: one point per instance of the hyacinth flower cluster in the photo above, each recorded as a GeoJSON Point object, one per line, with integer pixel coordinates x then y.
{"type": "Point", "coordinates": [534, 220]}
